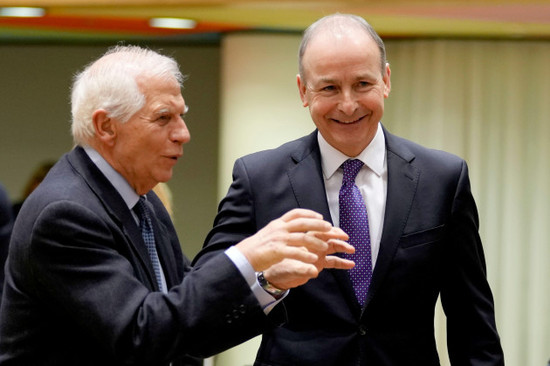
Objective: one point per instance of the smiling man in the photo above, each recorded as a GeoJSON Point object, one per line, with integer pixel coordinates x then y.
{"type": "Point", "coordinates": [344, 90]}
{"type": "Point", "coordinates": [95, 273]}
{"type": "Point", "coordinates": [408, 211]}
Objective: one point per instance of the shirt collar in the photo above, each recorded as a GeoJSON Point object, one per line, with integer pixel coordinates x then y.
{"type": "Point", "coordinates": [122, 186]}
{"type": "Point", "coordinates": [372, 156]}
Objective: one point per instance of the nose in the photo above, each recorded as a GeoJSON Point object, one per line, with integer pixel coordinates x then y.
{"type": "Point", "coordinates": [180, 133]}
{"type": "Point", "coordinates": [347, 103]}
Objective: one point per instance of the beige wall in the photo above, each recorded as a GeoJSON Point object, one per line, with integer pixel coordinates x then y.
{"type": "Point", "coordinates": [260, 103]}
{"type": "Point", "coordinates": [35, 122]}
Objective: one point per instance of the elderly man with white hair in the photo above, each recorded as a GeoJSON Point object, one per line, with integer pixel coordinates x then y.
{"type": "Point", "coordinates": [95, 274]}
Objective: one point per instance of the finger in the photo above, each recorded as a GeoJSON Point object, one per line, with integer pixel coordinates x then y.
{"type": "Point", "coordinates": [338, 263]}
{"type": "Point", "coordinates": [262, 254]}
{"type": "Point", "coordinates": [340, 246]}
{"type": "Point", "coordinates": [308, 242]}
{"type": "Point", "coordinates": [300, 212]}
{"type": "Point", "coordinates": [297, 253]}
{"type": "Point", "coordinates": [305, 224]}
{"type": "Point", "coordinates": [333, 233]}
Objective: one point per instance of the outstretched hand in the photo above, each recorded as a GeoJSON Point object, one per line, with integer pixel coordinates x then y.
{"type": "Point", "coordinates": [295, 248]}
{"type": "Point", "coordinates": [287, 237]}
{"type": "Point", "coordinates": [290, 273]}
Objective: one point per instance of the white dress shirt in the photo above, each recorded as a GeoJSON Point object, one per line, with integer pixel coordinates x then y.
{"type": "Point", "coordinates": [372, 181]}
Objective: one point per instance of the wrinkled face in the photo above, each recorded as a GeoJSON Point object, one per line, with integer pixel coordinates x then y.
{"type": "Point", "coordinates": [344, 88]}
{"type": "Point", "coordinates": [149, 144]}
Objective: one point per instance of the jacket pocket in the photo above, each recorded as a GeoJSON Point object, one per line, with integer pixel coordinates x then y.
{"type": "Point", "coordinates": [422, 237]}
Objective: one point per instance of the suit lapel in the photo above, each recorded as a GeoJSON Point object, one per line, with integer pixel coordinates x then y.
{"type": "Point", "coordinates": [306, 178]}
{"type": "Point", "coordinates": [402, 185]}
{"type": "Point", "coordinates": [115, 207]}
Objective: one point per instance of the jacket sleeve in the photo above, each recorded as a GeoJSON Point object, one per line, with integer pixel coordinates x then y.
{"type": "Point", "coordinates": [80, 268]}
{"type": "Point", "coordinates": [466, 297]}
{"type": "Point", "coordinates": [235, 220]}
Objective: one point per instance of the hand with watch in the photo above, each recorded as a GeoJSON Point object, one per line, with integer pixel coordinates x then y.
{"type": "Point", "coordinates": [294, 249]}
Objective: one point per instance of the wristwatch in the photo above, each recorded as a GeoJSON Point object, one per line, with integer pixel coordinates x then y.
{"type": "Point", "coordinates": [277, 293]}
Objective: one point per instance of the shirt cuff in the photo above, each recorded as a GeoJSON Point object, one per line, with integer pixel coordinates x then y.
{"type": "Point", "coordinates": [267, 302]}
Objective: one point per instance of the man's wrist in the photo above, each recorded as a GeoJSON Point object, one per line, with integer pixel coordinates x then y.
{"type": "Point", "coordinates": [277, 293]}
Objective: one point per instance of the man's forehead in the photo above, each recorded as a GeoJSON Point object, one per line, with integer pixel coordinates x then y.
{"type": "Point", "coordinates": [325, 50]}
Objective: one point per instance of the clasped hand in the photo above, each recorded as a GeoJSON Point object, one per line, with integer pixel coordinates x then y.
{"type": "Point", "coordinates": [295, 248]}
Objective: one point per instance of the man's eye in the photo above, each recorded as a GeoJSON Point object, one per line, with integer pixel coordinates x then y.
{"type": "Point", "coordinates": [163, 118]}
{"type": "Point", "coordinates": [329, 88]}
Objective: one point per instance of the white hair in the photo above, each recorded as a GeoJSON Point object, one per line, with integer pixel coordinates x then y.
{"type": "Point", "coordinates": [109, 83]}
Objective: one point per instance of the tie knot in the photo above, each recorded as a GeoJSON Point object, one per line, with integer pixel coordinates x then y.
{"type": "Point", "coordinates": [351, 168]}
{"type": "Point", "coordinates": [141, 208]}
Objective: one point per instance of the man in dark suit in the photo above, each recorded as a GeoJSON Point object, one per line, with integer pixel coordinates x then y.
{"type": "Point", "coordinates": [421, 237]}
{"type": "Point", "coordinates": [95, 274]}
{"type": "Point", "coordinates": [6, 224]}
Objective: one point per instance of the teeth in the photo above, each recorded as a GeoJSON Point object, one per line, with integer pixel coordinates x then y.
{"type": "Point", "coordinates": [348, 122]}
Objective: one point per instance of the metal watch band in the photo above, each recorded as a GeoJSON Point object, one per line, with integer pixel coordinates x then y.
{"type": "Point", "coordinates": [277, 293]}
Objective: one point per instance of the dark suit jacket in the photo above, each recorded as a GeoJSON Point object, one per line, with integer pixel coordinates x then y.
{"type": "Point", "coordinates": [79, 284]}
{"type": "Point", "coordinates": [6, 224]}
{"type": "Point", "coordinates": [430, 246]}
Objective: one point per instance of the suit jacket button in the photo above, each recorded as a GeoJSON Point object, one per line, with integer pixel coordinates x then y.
{"type": "Point", "coordinates": [362, 330]}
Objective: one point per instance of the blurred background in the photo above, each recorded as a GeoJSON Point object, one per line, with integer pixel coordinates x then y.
{"type": "Point", "coordinates": [469, 77]}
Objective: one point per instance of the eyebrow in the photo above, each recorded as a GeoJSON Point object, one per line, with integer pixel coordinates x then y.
{"type": "Point", "coordinates": [327, 81]}
{"type": "Point", "coordinates": [162, 110]}
{"type": "Point", "coordinates": [167, 110]}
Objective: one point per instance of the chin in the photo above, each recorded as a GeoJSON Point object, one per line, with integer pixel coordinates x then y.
{"type": "Point", "coordinates": [164, 176]}
{"type": "Point", "coordinates": [352, 146]}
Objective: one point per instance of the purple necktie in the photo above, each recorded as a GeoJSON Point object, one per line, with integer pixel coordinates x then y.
{"type": "Point", "coordinates": [354, 221]}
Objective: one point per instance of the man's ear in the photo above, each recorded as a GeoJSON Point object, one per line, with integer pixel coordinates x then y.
{"type": "Point", "coordinates": [302, 90]}
{"type": "Point", "coordinates": [387, 81]}
{"type": "Point", "coordinates": [104, 126]}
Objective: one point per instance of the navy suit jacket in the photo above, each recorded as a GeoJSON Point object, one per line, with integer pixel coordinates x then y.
{"type": "Point", "coordinates": [429, 247]}
{"type": "Point", "coordinates": [80, 288]}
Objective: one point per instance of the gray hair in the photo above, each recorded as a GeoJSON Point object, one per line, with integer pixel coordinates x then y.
{"type": "Point", "coordinates": [110, 83]}
{"type": "Point", "coordinates": [338, 20]}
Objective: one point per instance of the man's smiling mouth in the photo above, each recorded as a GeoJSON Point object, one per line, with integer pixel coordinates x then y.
{"type": "Point", "coordinates": [349, 122]}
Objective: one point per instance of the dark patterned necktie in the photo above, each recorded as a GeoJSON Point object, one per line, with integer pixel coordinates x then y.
{"type": "Point", "coordinates": [148, 236]}
{"type": "Point", "coordinates": [354, 221]}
